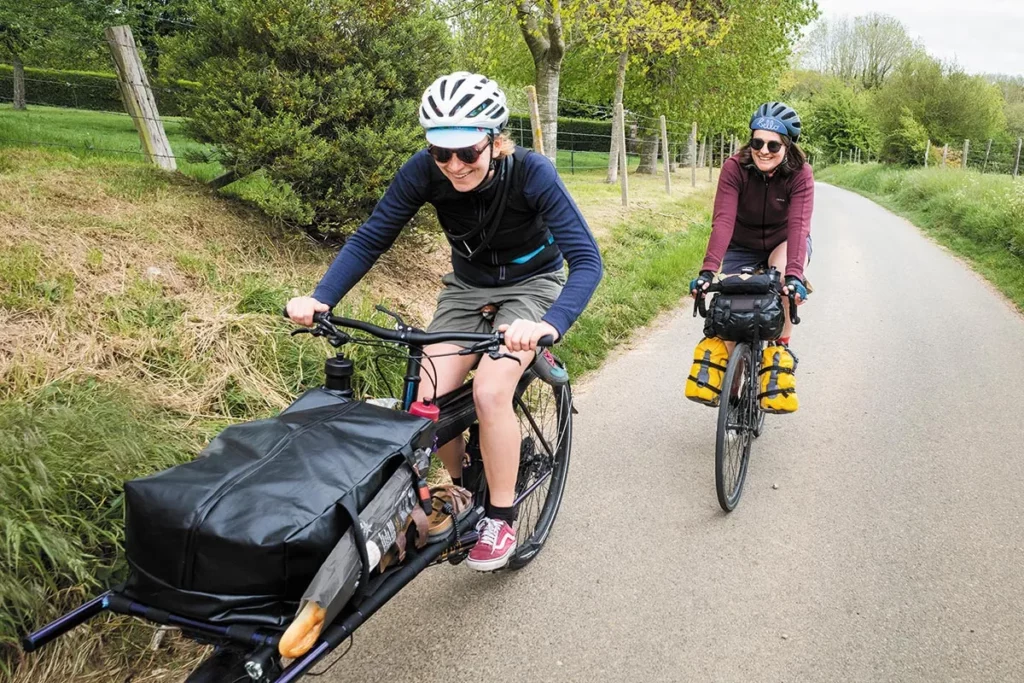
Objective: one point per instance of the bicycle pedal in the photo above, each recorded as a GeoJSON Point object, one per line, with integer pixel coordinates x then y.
{"type": "Point", "coordinates": [458, 558]}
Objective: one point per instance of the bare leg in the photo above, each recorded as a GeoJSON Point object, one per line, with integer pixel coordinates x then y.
{"type": "Point", "coordinates": [778, 260]}
{"type": "Point", "coordinates": [493, 387]}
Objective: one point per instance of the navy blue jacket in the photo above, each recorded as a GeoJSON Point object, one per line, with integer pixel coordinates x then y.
{"type": "Point", "coordinates": [542, 191]}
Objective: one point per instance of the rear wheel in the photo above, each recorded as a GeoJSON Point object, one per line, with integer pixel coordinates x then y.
{"type": "Point", "coordinates": [544, 412]}
{"type": "Point", "coordinates": [737, 422]}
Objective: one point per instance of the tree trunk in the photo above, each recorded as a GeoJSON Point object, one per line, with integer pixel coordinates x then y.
{"type": "Point", "coordinates": [19, 83]}
{"type": "Point", "coordinates": [649, 155]}
{"type": "Point", "coordinates": [543, 35]}
{"type": "Point", "coordinates": [620, 87]}
{"type": "Point", "coordinates": [548, 72]}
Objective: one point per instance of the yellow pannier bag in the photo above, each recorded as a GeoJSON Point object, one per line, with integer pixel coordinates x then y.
{"type": "Point", "coordinates": [778, 383]}
{"type": "Point", "coordinates": [704, 385]}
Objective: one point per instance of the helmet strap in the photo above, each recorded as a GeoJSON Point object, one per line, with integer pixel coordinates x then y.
{"type": "Point", "coordinates": [491, 167]}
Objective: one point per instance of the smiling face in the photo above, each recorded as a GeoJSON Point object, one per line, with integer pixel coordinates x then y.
{"type": "Point", "coordinates": [764, 158]}
{"type": "Point", "coordinates": [465, 177]}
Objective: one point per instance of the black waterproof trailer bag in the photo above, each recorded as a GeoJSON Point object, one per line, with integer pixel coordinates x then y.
{"type": "Point", "coordinates": [236, 536]}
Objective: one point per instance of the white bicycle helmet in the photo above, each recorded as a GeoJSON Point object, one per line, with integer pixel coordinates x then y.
{"type": "Point", "coordinates": [459, 109]}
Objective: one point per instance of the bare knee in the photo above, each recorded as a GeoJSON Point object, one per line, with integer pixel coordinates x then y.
{"type": "Point", "coordinates": [492, 397]}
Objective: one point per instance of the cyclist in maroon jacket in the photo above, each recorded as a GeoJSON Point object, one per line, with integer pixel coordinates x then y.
{"type": "Point", "coordinates": [763, 206]}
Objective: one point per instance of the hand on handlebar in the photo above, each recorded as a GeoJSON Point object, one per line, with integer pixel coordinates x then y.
{"type": "Point", "coordinates": [795, 289]}
{"type": "Point", "coordinates": [300, 309]}
{"type": "Point", "coordinates": [701, 282]}
{"type": "Point", "coordinates": [524, 335]}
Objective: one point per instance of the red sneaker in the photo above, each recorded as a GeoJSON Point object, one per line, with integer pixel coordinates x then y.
{"type": "Point", "coordinates": [496, 546]}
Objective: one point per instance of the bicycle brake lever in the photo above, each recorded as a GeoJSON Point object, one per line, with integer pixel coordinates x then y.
{"type": "Point", "coordinates": [793, 316]}
{"type": "Point", "coordinates": [303, 330]}
{"type": "Point", "coordinates": [498, 354]}
{"type": "Point", "coordinates": [397, 317]}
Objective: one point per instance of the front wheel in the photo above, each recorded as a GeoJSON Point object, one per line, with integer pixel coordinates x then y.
{"type": "Point", "coordinates": [545, 413]}
{"type": "Point", "coordinates": [737, 424]}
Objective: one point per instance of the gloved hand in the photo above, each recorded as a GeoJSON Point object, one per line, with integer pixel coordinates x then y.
{"type": "Point", "coordinates": [796, 286]}
{"type": "Point", "coordinates": [701, 282]}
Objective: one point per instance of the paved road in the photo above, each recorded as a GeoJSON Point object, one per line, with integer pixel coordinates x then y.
{"type": "Point", "coordinates": [892, 549]}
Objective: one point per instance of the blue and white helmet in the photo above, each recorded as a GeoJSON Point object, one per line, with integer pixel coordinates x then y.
{"type": "Point", "coordinates": [460, 109]}
{"type": "Point", "coordinates": [778, 117]}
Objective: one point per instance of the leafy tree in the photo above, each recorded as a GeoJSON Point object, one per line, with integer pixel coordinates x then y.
{"type": "Point", "coordinates": [866, 50]}
{"type": "Point", "coordinates": [951, 105]}
{"type": "Point", "coordinates": [321, 96]}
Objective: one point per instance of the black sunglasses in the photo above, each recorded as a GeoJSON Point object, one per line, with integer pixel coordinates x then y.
{"type": "Point", "coordinates": [773, 145]}
{"type": "Point", "coordinates": [467, 155]}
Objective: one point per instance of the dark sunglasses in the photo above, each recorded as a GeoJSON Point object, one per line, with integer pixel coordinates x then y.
{"type": "Point", "coordinates": [773, 146]}
{"type": "Point", "coordinates": [467, 155]}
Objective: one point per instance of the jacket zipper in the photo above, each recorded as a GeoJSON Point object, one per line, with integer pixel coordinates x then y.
{"type": "Point", "coordinates": [186, 578]}
{"type": "Point", "coordinates": [764, 215]}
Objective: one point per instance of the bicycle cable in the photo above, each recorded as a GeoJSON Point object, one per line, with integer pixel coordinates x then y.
{"type": "Point", "coordinates": [351, 643]}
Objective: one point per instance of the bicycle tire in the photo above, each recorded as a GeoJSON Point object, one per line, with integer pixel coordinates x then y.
{"type": "Point", "coordinates": [545, 413]}
{"type": "Point", "coordinates": [735, 416]}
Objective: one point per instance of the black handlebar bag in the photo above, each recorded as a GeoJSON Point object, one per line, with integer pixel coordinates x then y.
{"type": "Point", "coordinates": [748, 307]}
{"type": "Point", "coordinates": [236, 536]}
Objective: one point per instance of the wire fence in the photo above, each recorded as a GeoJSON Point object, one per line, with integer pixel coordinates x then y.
{"type": "Point", "coordinates": [60, 96]}
{"type": "Point", "coordinates": [1002, 157]}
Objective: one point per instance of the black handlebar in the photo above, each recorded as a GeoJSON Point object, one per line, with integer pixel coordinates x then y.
{"type": "Point", "coordinates": [410, 335]}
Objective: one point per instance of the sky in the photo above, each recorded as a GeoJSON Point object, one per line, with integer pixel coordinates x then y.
{"type": "Point", "coordinates": [983, 36]}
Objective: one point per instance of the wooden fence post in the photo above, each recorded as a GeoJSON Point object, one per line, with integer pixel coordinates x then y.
{"type": "Point", "coordinates": [945, 153]}
{"type": "Point", "coordinates": [664, 154]}
{"type": "Point", "coordinates": [721, 156]}
{"type": "Point", "coordinates": [927, 151]}
{"type": "Point", "coordinates": [967, 148]}
{"type": "Point", "coordinates": [538, 135]}
{"type": "Point", "coordinates": [138, 97]}
{"type": "Point", "coordinates": [693, 156]}
{"type": "Point", "coordinates": [988, 150]}
{"type": "Point", "coordinates": [711, 157]}
{"type": "Point", "coordinates": [1016, 164]}
{"type": "Point", "coordinates": [623, 175]}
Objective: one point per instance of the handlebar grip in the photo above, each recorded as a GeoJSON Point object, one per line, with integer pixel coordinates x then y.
{"type": "Point", "coordinates": [702, 305]}
{"type": "Point", "coordinates": [792, 309]}
{"type": "Point", "coordinates": [546, 341]}
{"type": "Point", "coordinates": [284, 312]}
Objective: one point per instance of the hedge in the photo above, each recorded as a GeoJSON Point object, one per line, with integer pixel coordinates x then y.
{"type": "Point", "coordinates": [86, 90]}
{"type": "Point", "coordinates": [577, 134]}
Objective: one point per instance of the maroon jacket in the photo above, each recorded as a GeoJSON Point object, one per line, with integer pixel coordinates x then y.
{"type": "Point", "coordinates": [760, 212]}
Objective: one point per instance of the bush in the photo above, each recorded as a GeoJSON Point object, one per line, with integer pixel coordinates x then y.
{"type": "Point", "coordinates": [837, 122]}
{"type": "Point", "coordinates": [322, 96]}
{"type": "Point", "coordinates": [88, 90]}
{"type": "Point", "coordinates": [906, 143]}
